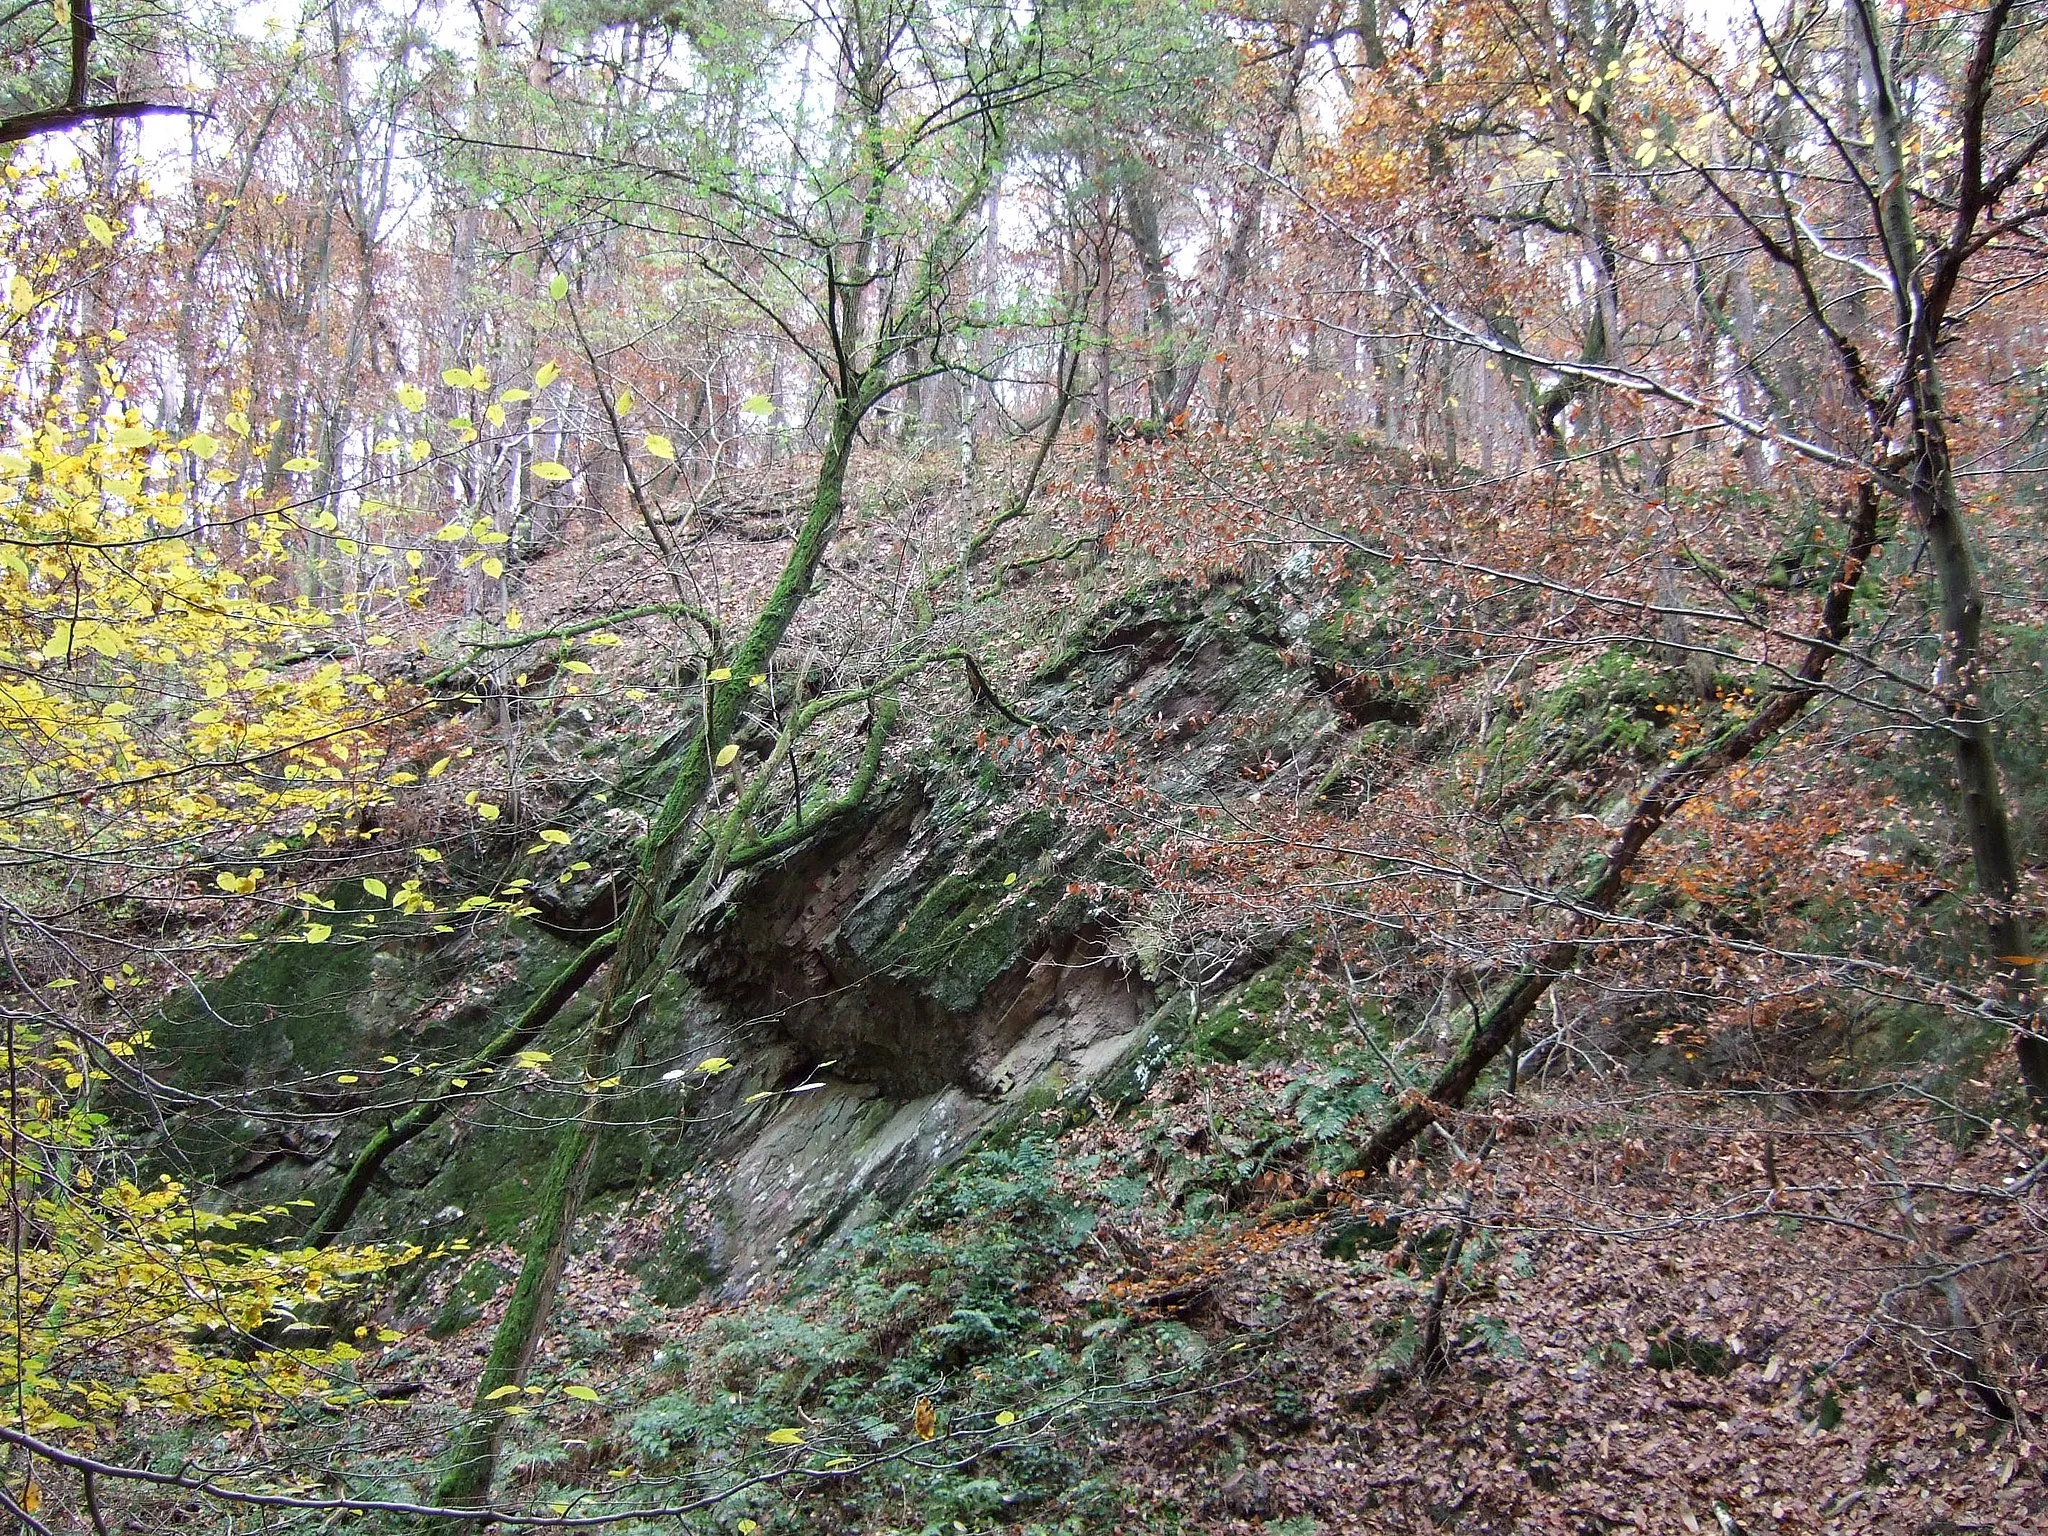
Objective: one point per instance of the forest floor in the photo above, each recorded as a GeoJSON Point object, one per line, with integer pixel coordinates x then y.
{"type": "Point", "coordinates": [1664, 1314]}
{"type": "Point", "coordinates": [1705, 1323]}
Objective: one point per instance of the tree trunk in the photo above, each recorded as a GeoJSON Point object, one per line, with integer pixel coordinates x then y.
{"type": "Point", "coordinates": [647, 924]}
{"type": "Point", "coordinates": [1962, 680]}
{"type": "Point", "coordinates": [1162, 330]}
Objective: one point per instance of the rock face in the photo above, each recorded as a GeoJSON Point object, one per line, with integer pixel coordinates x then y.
{"type": "Point", "coordinates": [891, 995]}
{"type": "Point", "coordinates": [833, 1158]}
{"type": "Point", "coordinates": [882, 995]}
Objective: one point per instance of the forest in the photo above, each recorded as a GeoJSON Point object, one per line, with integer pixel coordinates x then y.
{"type": "Point", "coordinates": [904, 767]}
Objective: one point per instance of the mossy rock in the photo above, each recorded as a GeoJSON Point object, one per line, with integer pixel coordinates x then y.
{"type": "Point", "coordinates": [291, 1008]}
{"type": "Point", "coordinates": [971, 926]}
{"type": "Point", "coordinates": [679, 1269]}
{"type": "Point", "coordinates": [1230, 1033]}
{"type": "Point", "coordinates": [1614, 710]}
{"type": "Point", "coordinates": [467, 1298]}
{"type": "Point", "coordinates": [1262, 1019]}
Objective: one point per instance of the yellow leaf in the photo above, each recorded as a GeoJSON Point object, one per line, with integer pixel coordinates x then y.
{"type": "Point", "coordinates": [1010, 878]}
{"type": "Point", "coordinates": [301, 464]}
{"type": "Point", "coordinates": [316, 933]}
{"type": "Point", "coordinates": [21, 298]}
{"type": "Point", "coordinates": [727, 753]}
{"type": "Point", "coordinates": [711, 1066]}
{"type": "Point", "coordinates": [660, 446]}
{"type": "Point", "coordinates": [578, 666]}
{"type": "Point", "coordinates": [348, 1077]}
{"type": "Point", "coordinates": [457, 378]}
{"type": "Point", "coordinates": [549, 372]}
{"type": "Point", "coordinates": [412, 397]}
{"type": "Point", "coordinates": [493, 567]}
{"type": "Point", "coordinates": [580, 1393]}
{"type": "Point", "coordinates": [1005, 1419]}
{"type": "Point", "coordinates": [502, 1392]}
{"type": "Point", "coordinates": [603, 637]}
{"type": "Point", "coordinates": [101, 231]}
{"type": "Point", "coordinates": [488, 811]}
{"type": "Point", "coordinates": [551, 472]}
{"type": "Point", "coordinates": [552, 835]}
{"type": "Point", "coordinates": [719, 675]}
{"type": "Point", "coordinates": [202, 446]}
{"type": "Point", "coordinates": [377, 888]}
{"type": "Point", "coordinates": [786, 1437]}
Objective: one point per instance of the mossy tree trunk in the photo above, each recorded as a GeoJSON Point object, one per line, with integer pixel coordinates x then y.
{"type": "Point", "coordinates": [423, 1114]}
{"type": "Point", "coordinates": [649, 918]}
{"type": "Point", "coordinates": [879, 304]}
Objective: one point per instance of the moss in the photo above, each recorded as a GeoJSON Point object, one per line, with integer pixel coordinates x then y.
{"type": "Point", "coordinates": [1244, 1025]}
{"type": "Point", "coordinates": [288, 1012]}
{"type": "Point", "coordinates": [287, 1008]}
{"type": "Point", "coordinates": [679, 1269]}
{"type": "Point", "coordinates": [1274, 1015]}
{"type": "Point", "coordinates": [971, 926]}
{"type": "Point", "coordinates": [486, 1171]}
{"type": "Point", "coordinates": [1615, 706]}
{"type": "Point", "coordinates": [467, 1298]}
{"type": "Point", "coordinates": [1228, 1034]}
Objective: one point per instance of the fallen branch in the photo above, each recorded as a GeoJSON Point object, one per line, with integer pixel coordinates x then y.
{"type": "Point", "coordinates": [581, 627]}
